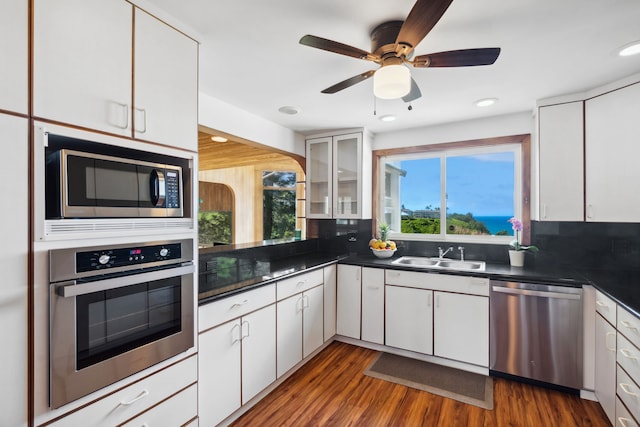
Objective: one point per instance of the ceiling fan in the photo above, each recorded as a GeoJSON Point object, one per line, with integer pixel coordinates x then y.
{"type": "Point", "coordinates": [392, 45]}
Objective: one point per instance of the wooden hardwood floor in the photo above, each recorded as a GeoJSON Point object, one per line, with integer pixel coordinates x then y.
{"type": "Point", "coordinates": [331, 390]}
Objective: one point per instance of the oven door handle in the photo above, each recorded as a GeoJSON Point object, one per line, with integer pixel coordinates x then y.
{"type": "Point", "coordinates": [72, 289]}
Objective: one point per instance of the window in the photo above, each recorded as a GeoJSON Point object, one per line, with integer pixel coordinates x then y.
{"type": "Point", "coordinates": [279, 205]}
{"type": "Point", "coordinates": [457, 192]}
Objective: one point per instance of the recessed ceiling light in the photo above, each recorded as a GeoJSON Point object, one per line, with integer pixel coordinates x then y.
{"type": "Point", "coordinates": [485, 102]}
{"type": "Point", "coordinates": [288, 109]}
{"type": "Point", "coordinates": [388, 118]}
{"type": "Point", "coordinates": [629, 49]}
{"type": "Point", "coordinates": [219, 138]}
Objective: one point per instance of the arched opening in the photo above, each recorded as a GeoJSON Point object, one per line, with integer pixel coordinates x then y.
{"type": "Point", "coordinates": [247, 170]}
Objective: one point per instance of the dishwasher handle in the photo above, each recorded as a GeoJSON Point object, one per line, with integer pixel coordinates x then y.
{"type": "Point", "coordinates": [530, 293]}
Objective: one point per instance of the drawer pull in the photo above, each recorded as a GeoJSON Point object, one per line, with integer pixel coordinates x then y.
{"type": "Point", "coordinates": [628, 325]}
{"type": "Point", "coordinates": [602, 304]}
{"type": "Point", "coordinates": [626, 388]}
{"type": "Point", "coordinates": [301, 283]}
{"type": "Point", "coordinates": [144, 393]}
{"type": "Point", "coordinates": [626, 353]}
{"type": "Point", "coordinates": [624, 422]}
{"type": "Point", "coordinates": [239, 304]}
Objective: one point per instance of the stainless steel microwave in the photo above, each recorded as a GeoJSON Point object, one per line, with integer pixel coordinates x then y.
{"type": "Point", "coordinates": [89, 185]}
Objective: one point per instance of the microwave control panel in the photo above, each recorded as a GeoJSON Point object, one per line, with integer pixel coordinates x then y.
{"type": "Point", "coordinates": [172, 182]}
{"type": "Point", "coordinates": [121, 257]}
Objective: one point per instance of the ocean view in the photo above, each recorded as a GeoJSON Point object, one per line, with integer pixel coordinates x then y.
{"type": "Point", "coordinates": [496, 223]}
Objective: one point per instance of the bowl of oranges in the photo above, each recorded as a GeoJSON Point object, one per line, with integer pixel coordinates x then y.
{"type": "Point", "coordinates": [382, 248]}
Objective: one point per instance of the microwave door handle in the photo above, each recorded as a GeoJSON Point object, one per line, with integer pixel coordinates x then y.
{"type": "Point", "coordinates": [157, 188]}
{"type": "Point", "coordinates": [73, 290]}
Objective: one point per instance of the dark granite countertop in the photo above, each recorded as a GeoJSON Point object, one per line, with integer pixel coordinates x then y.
{"type": "Point", "coordinates": [240, 276]}
{"type": "Point", "coordinates": [621, 286]}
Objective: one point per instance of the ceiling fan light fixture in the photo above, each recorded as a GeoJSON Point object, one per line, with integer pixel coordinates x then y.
{"type": "Point", "coordinates": [387, 118]}
{"type": "Point", "coordinates": [629, 49]}
{"type": "Point", "coordinates": [391, 82]}
{"type": "Point", "coordinates": [218, 138]}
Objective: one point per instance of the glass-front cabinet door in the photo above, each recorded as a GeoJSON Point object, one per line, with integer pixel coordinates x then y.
{"type": "Point", "coordinates": [347, 163]}
{"type": "Point", "coordinates": [319, 178]}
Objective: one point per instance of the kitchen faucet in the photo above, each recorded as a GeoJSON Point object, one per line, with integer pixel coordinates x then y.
{"type": "Point", "coordinates": [461, 249]}
{"type": "Point", "coordinates": [441, 254]}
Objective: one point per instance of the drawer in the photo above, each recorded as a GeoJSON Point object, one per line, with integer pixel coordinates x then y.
{"type": "Point", "coordinates": [128, 402]}
{"type": "Point", "coordinates": [628, 356]}
{"type": "Point", "coordinates": [221, 311]}
{"type": "Point", "coordinates": [606, 307]}
{"type": "Point", "coordinates": [628, 392]}
{"type": "Point", "coordinates": [623, 417]}
{"type": "Point", "coordinates": [175, 411]}
{"type": "Point", "coordinates": [300, 283]}
{"type": "Point", "coordinates": [629, 325]}
{"type": "Point", "coordinates": [438, 282]}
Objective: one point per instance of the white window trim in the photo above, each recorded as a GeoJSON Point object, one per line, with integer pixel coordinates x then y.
{"type": "Point", "coordinates": [516, 148]}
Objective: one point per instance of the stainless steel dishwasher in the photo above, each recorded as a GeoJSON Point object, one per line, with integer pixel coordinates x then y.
{"type": "Point", "coordinates": [536, 333]}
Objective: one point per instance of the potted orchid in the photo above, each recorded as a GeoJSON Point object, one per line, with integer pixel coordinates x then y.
{"type": "Point", "coordinates": [516, 255]}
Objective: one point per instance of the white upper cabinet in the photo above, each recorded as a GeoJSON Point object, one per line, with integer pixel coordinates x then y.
{"type": "Point", "coordinates": [98, 66]}
{"type": "Point", "coordinates": [82, 63]}
{"type": "Point", "coordinates": [339, 177]}
{"type": "Point", "coordinates": [612, 149]}
{"type": "Point", "coordinates": [14, 52]}
{"type": "Point", "coordinates": [165, 84]}
{"type": "Point", "coordinates": [561, 143]}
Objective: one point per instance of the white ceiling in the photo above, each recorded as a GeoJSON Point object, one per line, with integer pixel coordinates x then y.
{"type": "Point", "coordinates": [250, 56]}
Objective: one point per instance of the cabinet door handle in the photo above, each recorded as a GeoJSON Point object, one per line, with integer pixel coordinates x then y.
{"type": "Point", "coordinates": [590, 211]}
{"type": "Point", "coordinates": [373, 288]}
{"type": "Point", "coordinates": [626, 353]}
{"type": "Point", "coordinates": [299, 304]}
{"type": "Point", "coordinates": [125, 108]}
{"type": "Point", "coordinates": [606, 341]}
{"type": "Point", "coordinates": [239, 304]}
{"type": "Point", "coordinates": [144, 393]}
{"type": "Point", "coordinates": [429, 300]}
{"type": "Point", "coordinates": [602, 304]}
{"type": "Point", "coordinates": [358, 274]}
{"type": "Point", "coordinates": [248, 332]}
{"type": "Point", "coordinates": [144, 120]}
{"type": "Point", "coordinates": [544, 210]}
{"type": "Point", "coordinates": [236, 333]}
{"type": "Point", "coordinates": [627, 389]}
{"type": "Point", "coordinates": [628, 325]}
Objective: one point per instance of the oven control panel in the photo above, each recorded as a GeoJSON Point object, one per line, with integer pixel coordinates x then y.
{"type": "Point", "coordinates": [126, 256]}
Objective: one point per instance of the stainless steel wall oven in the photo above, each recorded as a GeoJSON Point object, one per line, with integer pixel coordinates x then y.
{"type": "Point", "coordinates": [116, 310]}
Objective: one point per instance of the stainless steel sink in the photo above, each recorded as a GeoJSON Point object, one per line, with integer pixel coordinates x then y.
{"type": "Point", "coordinates": [439, 263]}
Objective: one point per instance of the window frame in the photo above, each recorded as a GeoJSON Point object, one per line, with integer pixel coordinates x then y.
{"type": "Point", "coordinates": [522, 183]}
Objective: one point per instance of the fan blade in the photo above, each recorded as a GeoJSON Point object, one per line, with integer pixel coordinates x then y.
{"type": "Point", "coordinates": [424, 15]}
{"type": "Point", "coordinates": [458, 58]}
{"type": "Point", "coordinates": [349, 82]}
{"type": "Point", "coordinates": [414, 93]}
{"type": "Point", "coordinates": [335, 47]}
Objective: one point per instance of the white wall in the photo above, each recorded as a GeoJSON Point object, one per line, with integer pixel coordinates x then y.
{"type": "Point", "coordinates": [219, 115]}
{"type": "Point", "coordinates": [511, 124]}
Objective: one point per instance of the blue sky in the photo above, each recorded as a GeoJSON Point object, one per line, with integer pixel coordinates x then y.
{"type": "Point", "coordinates": [481, 184]}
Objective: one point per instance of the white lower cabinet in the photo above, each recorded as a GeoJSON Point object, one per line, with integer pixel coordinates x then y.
{"type": "Point", "coordinates": [409, 319]}
{"type": "Point", "coordinates": [329, 278]}
{"type": "Point", "coordinates": [461, 327]}
{"type": "Point", "coordinates": [300, 327]}
{"type": "Point", "coordinates": [349, 298]}
{"type": "Point", "coordinates": [237, 359]}
{"type": "Point", "coordinates": [373, 305]}
{"type": "Point", "coordinates": [605, 361]}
